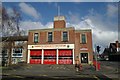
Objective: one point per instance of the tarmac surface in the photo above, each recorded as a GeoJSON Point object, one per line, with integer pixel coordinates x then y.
{"type": "Point", "coordinates": [108, 71]}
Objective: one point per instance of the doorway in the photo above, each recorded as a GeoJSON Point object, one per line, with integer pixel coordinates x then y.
{"type": "Point", "coordinates": [84, 57]}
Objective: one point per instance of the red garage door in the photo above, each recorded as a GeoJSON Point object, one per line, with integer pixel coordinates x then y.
{"type": "Point", "coordinates": [65, 56]}
{"type": "Point", "coordinates": [35, 56]}
{"type": "Point", "coordinates": [65, 61]}
{"type": "Point", "coordinates": [50, 56]}
{"type": "Point", "coordinates": [35, 52]}
{"type": "Point", "coordinates": [65, 52]}
{"type": "Point", "coordinates": [35, 61]}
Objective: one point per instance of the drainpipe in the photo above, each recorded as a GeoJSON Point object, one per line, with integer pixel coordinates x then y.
{"type": "Point", "coordinates": [117, 45]}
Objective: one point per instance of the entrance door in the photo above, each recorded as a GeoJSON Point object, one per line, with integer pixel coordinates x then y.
{"type": "Point", "coordinates": [84, 57]}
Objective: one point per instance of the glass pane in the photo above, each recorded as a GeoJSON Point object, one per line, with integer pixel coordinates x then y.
{"type": "Point", "coordinates": [83, 38]}
{"type": "Point", "coordinates": [19, 55]}
{"type": "Point", "coordinates": [17, 51]}
{"type": "Point", "coordinates": [65, 36]}
{"type": "Point", "coordinates": [50, 36]}
{"type": "Point", "coordinates": [36, 37]}
{"type": "Point", "coordinates": [14, 54]}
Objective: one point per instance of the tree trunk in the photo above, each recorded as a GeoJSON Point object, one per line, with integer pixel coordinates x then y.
{"type": "Point", "coordinates": [10, 53]}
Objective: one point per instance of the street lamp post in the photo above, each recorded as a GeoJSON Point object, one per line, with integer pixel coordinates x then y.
{"type": "Point", "coordinates": [96, 58]}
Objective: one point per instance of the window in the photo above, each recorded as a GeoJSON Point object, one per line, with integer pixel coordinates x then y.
{"type": "Point", "coordinates": [49, 36]}
{"type": "Point", "coordinates": [4, 52]}
{"type": "Point", "coordinates": [83, 38]}
{"type": "Point", "coordinates": [65, 36]}
{"type": "Point", "coordinates": [17, 52]}
{"type": "Point", "coordinates": [35, 37]}
{"type": "Point", "coordinates": [19, 43]}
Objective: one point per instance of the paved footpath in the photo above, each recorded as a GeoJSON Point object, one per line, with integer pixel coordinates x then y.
{"type": "Point", "coordinates": [52, 72]}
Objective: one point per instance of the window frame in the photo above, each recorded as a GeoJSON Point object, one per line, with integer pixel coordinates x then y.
{"type": "Point", "coordinates": [34, 37]}
{"type": "Point", "coordinates": [48, 37]}
{"type": "Point", "coordinates": [63, 36]}
{"type": "Point", "coordinates": [5, 54]}
{"type": "Point", "coordinates": [81, 40]}
{"type": "Point", "coordinates": [17, 54]}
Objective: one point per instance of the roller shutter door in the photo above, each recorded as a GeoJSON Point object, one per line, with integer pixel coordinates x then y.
{"type": "Point", "coordinates": [65, 56]}
{"type": "Point", "coordinates": [35, 56]}
{"type": "Point", "coordinates": [49, 56]}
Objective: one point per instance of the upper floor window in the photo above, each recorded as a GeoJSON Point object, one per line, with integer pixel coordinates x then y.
{"type": "Point", "coordinates": [17, 52]}
{"type": "Point", "coordinates": [35, 37]}
{"type": "Point", "coordinates": [65, 36]}
{"type": "Point", "coordinates": [83, 38]}
{"type": "Point", "coordinates": [19, 43]}
{"type": "Point", "coordinates": [49, 36]}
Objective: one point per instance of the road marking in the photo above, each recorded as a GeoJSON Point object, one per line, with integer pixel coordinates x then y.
{"type": "Point", "coordinates": [96, 77]}
{"type": "Point", "coordinates": [44, 75]}
{"type": "Point", "coordinates": [18, 76]}
{"type": "Point", "coordinates": [5, 74]}
{"type": "Point", "coordinates": [29, 67]}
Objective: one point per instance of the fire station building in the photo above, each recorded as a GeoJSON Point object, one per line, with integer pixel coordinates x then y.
{"type": "Point", "coordinates": [59, 45]}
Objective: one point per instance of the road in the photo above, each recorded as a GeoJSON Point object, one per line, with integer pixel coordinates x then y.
{"type": "Point", "coordinates": [59, 72]}
{"type": "Point", "coordinates": [110, 69]}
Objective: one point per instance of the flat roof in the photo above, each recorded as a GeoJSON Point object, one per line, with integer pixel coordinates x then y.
{"type": "Point", "coordinates": [59, 29]}
{"type": "Point", "coordinates": [14, 38]}
{"type": "Point", "coordinates": [53, 29]}
{"type": "Point", "coordinates": [83, 30]}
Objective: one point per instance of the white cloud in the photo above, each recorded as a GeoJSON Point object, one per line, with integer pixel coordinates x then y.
{"type": "Point", "coordinates": [29, 10]}
{"type": "Point", "coordinates": [49, 25]}
{"type": "Point", "coordinates": [103, 30]}
{"type": "Point", "coordinates": [27, 25]}
{"type": "Point", "coordinates": [100, 37]}
{"type": "Point", "coordinates": [10, 11]}
{"type": "Point", "coordinates": [102, 22]}
{"type": "Point", "coordinates": [74, 17]}
{"type": "Point", "coordinates": [112, 10]}
{"type": "Point", "coordinates": [103, 38]}
{"type": "Point", "coordinates": [30, 25]}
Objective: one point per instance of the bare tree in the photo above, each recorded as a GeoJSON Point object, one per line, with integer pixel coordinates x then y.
{"type": "Point", "coordinates": [10, 23]}
{"type": "Point", "coordinates": [10, 27]}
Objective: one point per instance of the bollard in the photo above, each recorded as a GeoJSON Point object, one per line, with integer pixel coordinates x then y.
{"type": "Point", "coordinates": [98, 66]}
{"type": "Point", "coordinates": [80, 67]}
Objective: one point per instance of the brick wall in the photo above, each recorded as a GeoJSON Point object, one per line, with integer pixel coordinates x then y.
{"type": "Point", "coordinates": [57, 36]}
{"type": "Point", "coordinates": [79, 45]}
{"type": "Point", "coordinates": [59, 24]}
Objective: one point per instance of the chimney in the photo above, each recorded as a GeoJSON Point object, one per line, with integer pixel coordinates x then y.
{"type": "Point", "coordinates": [117, 45]}
{"type": "Point", "coordinates": [59, 22]}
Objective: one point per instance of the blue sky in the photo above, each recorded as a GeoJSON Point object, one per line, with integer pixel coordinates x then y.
{"type": "Point", "coordinates": [48, 10]}
{"type": "Point", "coordinates": [101, 17]}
